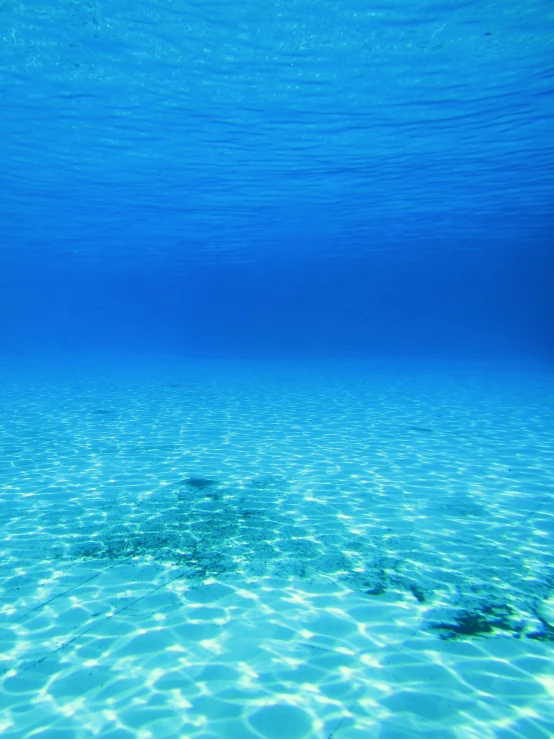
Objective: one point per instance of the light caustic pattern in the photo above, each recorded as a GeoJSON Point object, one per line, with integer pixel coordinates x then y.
{"type": "Point", "coordinates": [262, 552]}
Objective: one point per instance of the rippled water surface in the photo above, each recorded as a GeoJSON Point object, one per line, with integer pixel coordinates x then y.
{"type": "Point", "coordinates": [175, 130]}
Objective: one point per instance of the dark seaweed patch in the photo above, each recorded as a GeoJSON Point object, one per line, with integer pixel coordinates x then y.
{"type": "Point", "coordinates": [546, 632]}
{"type": "Point", "coordinates": [417, 592]}
{"type": "Point", "coordinates": [371, 582]}
{"type": "Point", "coordinates": [479, 622]}
{"type": "Point", "coordinates": [379, 589]}
{"type": "Point", "coordinates": [214, 530]}
{"type": "Point", "coordinates": [248, 514]}
{"type": "Point", "coordinates": [198, 483]}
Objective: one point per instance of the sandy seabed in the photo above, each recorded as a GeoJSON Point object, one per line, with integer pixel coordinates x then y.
{"type": "Point", "coordinates": [270, 551]}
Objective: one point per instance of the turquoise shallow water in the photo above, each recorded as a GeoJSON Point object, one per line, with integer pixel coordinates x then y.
{"type": "Point", "coordinates": [206, 530]}
{"type": "Point", "coordinates": [277, 550]}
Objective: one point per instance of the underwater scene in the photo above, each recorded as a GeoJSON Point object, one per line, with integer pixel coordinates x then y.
{"type": "Point", "coordinates": [276, 369]}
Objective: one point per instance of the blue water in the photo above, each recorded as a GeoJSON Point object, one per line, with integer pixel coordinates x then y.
{"type": "Point", "coordinates": [276, 369]}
